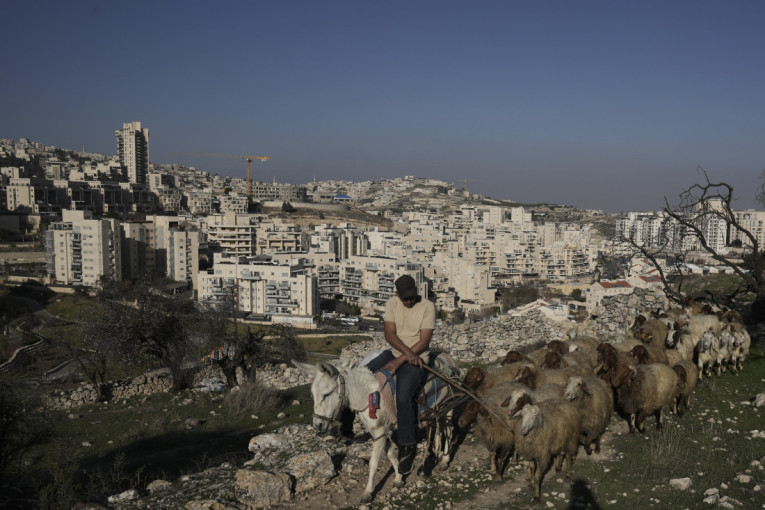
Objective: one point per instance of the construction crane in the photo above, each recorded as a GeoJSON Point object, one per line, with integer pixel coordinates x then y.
{"type": "Point", "coordinates": [464, 186]}
{"type": "Point", "coordinates": [248, 159]}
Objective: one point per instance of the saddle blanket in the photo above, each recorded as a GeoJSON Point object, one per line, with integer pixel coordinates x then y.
{"type": "Point", "coordinates": [433, 390]}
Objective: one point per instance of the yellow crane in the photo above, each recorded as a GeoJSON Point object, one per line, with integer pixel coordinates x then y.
{"type": "Point", "coordinates": [464, 186]}
{"type": "Point", "coordinates": [248, 159]}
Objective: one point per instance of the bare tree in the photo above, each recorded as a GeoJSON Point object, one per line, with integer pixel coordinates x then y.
{"type": "Point", "coordinates": [138, 324]}
{"type": "Point", "coordinates": [703, 211]}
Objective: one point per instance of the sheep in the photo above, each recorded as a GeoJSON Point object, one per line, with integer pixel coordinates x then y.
{"type": "Point", "coordinates": [645, 354]}
{"type": "Point", "coordinates": [625, 344]}
{"type": "Point", "coordinates": [608, 359]}
{"type": "Point", "coordinates": [741, 344]}
{"type": "Point", "coordinates": [682, 341]}
{"type": "Point", "coordinates": [546, 430]}
{"type": "Point", "coordinates": [534, 378]}
{"type": "Point", "coordinates": [498, 437]}
{"type": "Point", "coordinates": [514, 356]}
{"type": "Point", "coordinates": [697, 325]}
{"type": "Point", "coordinates": [595, 401]}
{"type": "Point", "coordinates": [537, 355]}
{"type": "Point", "coordinates": [558, 346]}
{"type": "Point", "coordinates": [652, 329]}
{"type": "Point", "coordinates": [575, 359]}
{"type": "Point", "coordinates": [585, 343]}
{"type": "Point", "coordinates": [674, 357]}
{"type": "Point", "coordinates": [644, 390]}
{"type": "Point", "coordinates": [687, 381]}
{"type": "Point", "coordinates": [525, 395]}
{"type": "Point", "coordinates": [705, 352]}
{"type": "Point", "coordinates": [724, 346]}
{"type": "Point", "coordinates": [480, 380]}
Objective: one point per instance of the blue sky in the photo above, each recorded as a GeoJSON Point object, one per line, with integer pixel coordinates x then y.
{"type": "Point", "coordinates": [596, 104]}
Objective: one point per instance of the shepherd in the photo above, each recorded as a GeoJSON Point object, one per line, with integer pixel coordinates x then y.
{"type": "Point", "coordinates": [409, 323]}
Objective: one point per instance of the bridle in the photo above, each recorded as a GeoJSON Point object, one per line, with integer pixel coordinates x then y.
{"type": "Point", "coordinates": [335, 418]}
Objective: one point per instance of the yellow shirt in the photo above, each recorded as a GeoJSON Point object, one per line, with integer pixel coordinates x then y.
{"type": "Point", "coordinates": [409, 321]}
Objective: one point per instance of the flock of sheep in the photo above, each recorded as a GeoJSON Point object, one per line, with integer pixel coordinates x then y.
{"type": "Point", "coordinates": [544, 404]}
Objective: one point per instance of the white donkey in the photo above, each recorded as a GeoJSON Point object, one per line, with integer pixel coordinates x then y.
{"type": "Point", "coordinates": [335, 388]}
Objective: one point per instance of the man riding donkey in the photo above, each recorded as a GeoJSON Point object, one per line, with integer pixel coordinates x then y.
{"type": "Point", "coordinates": [409, 323]}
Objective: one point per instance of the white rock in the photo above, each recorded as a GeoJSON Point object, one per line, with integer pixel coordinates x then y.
{"type": "Point", "coordinates": [128, 495]}
{"type": "Point", "coordinates": [281, 416]}
{"type": "Point", "coordinates": [682, 484]}
{"type": "Point", "coordinates": [744, 478]}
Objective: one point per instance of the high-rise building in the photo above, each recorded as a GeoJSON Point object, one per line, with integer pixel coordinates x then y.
{"type": "Point", "coordinates": [133, 150]}
{"type": "Point", "coordinates": [81, 250]}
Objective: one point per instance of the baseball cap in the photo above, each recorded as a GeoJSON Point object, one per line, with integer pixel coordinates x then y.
{"type": "Point", "coordinates": [405, 287]}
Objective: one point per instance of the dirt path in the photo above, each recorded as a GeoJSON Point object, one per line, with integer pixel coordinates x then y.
{"type": "Point", "coordinates": [466, 485]}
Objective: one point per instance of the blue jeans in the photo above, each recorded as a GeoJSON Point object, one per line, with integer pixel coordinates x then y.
{"type": "Point", "coordinates": [409, 378]}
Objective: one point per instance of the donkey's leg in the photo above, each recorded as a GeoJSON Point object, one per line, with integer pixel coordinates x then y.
{"type": "Point", "coordinates": [374, 461]}
{"type": "Point", "coordinates": [392, 453]}
{"type": "Point", "coordinates": [445, 436]}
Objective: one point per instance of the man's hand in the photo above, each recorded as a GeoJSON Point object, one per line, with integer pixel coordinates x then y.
{"type": "Point", "coordinates": [413, 359]}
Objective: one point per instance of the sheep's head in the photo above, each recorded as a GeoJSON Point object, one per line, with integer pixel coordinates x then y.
{"type": "Point", "coordinates": [606, 352]}
{"type": "Point", "coordinates": [527, 376]}
{"type": "Point", "coordinates": [644, 335]}
{"type": "Point", "coordinates": [639, 355]}
{"type": "Point", "coordinates": [516, 401]}
{"type": "Point", "coordinates": [513, 357]}
{"type": "Point", "coordinates": [530, 417]}
{"type": "Point", "coordinates": [639, 321]}
{"type": "Point", "coordinates": [623, 374]}
{"type": "Point", "coordinates": [557, 346]}
{"type": "Point", "coordinates": [574, 388]}
{"type": "Point", "coordinates": [552, 360]}
{"type": "Point", "coordinates": [469, 414]}
{"type": "Point", "coordinates": [474, 377]}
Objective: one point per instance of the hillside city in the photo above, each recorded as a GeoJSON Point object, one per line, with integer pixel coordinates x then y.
{"type": "Point", "coordinates": [280, 251]}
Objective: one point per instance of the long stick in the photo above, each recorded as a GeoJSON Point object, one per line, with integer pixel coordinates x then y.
{"type": "Point", "coordinates": [467, 391]}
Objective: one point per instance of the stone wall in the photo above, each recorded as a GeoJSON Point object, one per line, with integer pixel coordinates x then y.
{"type": "Point", "coordinates": [158, 381]}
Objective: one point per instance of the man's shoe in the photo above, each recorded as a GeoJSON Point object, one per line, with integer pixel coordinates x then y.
{"type": "Point", "coordinates": [406, 455]}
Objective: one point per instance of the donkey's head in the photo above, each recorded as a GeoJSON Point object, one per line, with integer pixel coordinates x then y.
{"type": "Point", "coordinates": [329, 399]}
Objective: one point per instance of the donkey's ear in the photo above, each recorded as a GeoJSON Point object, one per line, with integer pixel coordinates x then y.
{"type": "Point", "coordinates": [306, 368]}
{"type": "Point", "coordinates": [328, 369]}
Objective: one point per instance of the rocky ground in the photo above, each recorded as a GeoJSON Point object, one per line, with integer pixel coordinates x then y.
{"type": "Point", "coordinates": [294, 468]}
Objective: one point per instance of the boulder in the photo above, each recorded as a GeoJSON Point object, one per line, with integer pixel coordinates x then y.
{"type": "Point", "coordinates": [311, 470]}
{"type": "Point", "coordinates": [261, 488]}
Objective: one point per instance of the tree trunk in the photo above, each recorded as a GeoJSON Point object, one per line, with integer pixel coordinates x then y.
{"type": "Point", "coordinates": [757, 310]}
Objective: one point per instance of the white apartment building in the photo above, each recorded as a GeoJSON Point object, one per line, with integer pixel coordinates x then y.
{"type": "Point", "coordinates": [277, 236]}
{"type": "Point", "coordinates": [161, 245]}
{"type": "Point", "coordinates": [369, 281]}
{"type": "Point", "coordinates": [183, 256]}
{"type": "Point", "coordinates": [233, 233]}
{"type": "Point", "coordinates": [133, 150]}
{"type": "Point", "coordinates": [754, 223]}
{"type": "Point", "coordinates": [258, 287]}
{"type": "Point", "coordinates": [460, 282]}
{"type": "Point", "coordinates": [81, 250]}
{"type": "Point", "coordinates": [232, 202]}
{"type": "Point", "coordinates": [200, 202]}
